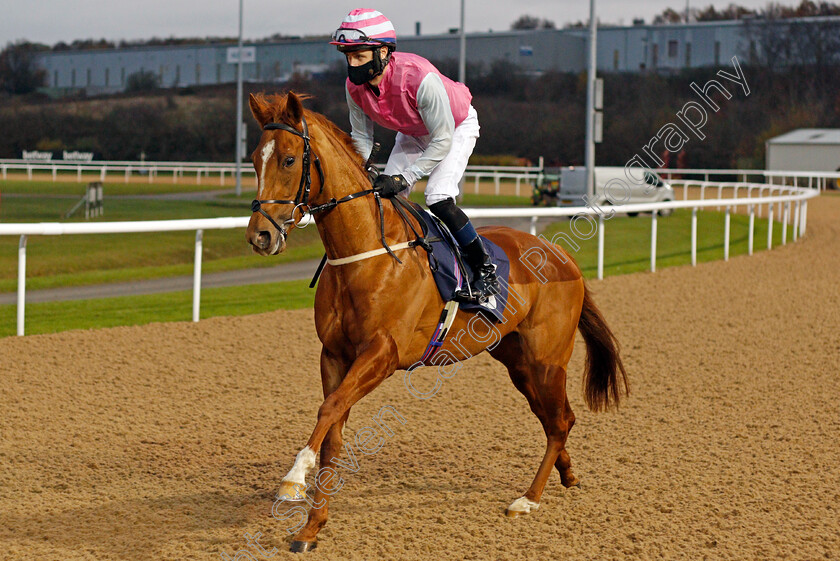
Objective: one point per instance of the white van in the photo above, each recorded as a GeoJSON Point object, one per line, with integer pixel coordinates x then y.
{"type": "Point", "coordinates": [654, 190]}
{"type": "Point", "coordinates": [572, 187]}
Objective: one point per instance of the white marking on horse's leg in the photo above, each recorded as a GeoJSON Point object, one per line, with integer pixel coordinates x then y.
{"type": "Point", "coordinates": [293, 486]}
{"type": "Point", "coordinates": [265, 154]}
{"type": "Point", "coordinates": [523, 505]}
{"type": "Point", "coordinates": [304, 461]}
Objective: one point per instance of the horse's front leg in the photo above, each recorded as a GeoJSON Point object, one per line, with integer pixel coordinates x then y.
{"type": "Point", "coordinates": [374, 364]}
{"type": "Point", "coordinates": [325, 487]}
{"type": "Point", "coordinates": [333, 370]}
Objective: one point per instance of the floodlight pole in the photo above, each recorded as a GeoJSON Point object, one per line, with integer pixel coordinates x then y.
{"type": "Point", "coordinates": [239, 108]}
{"type": "Point", "coordinates": [462, 62]}
{"type": "Point", "coordinates": [590, 102]}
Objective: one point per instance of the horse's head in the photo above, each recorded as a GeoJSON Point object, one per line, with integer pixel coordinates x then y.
{"type": "Point", "coordinates": [283, 160]}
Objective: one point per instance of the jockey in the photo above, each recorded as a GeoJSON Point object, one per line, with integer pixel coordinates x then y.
{"type": "Point", "coordinates": [436, 127]}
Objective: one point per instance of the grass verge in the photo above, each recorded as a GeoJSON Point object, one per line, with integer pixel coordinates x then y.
{"type": "Point", "coordinates": [54, 317]}
{"type": "Point", "coordinates": [627, 250]}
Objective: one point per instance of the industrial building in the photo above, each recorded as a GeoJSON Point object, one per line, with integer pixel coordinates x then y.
{"type": "Point", "coordinates": [636, 48]}
{"type": "Point", "coordinates": [805, 150]}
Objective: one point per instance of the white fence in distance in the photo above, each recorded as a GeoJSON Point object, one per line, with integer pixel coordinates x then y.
{"type": "Point", "coordinates": [206, 170]}
{"type": "Point", "coordinates": [519, 174]}
{"type": "Point", "coordinates": [785, 197]}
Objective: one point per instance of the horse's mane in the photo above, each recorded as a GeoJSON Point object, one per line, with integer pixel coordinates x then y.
{"type": "Point", "coordinates": [275, 107]}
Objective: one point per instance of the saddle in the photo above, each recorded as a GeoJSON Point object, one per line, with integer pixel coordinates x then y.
{"type": "Point", "coordinates": [452, 276]}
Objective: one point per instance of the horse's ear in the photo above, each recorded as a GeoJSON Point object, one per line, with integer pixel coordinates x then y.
{"type": "Point", "coordinates": [294, 109]}
{"type": "Point", "coordinates": [259, 109]}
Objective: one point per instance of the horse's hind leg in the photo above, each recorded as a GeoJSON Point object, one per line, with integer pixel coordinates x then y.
{"type": "Point", "coordinates": [564, 462]}
{"type": "Point", "coordinates": [544, 386]}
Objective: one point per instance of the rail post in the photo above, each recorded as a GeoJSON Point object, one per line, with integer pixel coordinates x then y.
{"type": "Point", "coordinates": [803, 218]}
{"type": "Point", "coordinates": [694, 237]}
{"type": "Point", "coordinates": [199, 234]}
{"type": "Point", "coordinates": [796, 221]}
{"type": "Point", "coordinates": [726, 222]}
{"type": "Point", "coordinates": [752, 231]}
{"type": "Point", "coordinates": [785, 217]}
{"type": "Point", "coordinates": [533, 229]}
{"type": "Point", "coordinates": [770, 226]}
{"type": "Point", "coordinates": [21, 288]}
{"type": "Point", "coordinates": [600, 246]}
{"type": "Point", "coordinates": [653, 241]}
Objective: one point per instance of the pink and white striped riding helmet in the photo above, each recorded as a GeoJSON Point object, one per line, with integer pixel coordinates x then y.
{"type": "Point", "coordinates": [364, 27]}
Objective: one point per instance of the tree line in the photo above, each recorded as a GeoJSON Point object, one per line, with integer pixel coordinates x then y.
{"type": "Point", "coordinates": [520, 116]}
{"type": "Point", "coordinates": [794, 76]}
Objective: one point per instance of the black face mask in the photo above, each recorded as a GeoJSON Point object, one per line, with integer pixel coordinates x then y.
{"type": "Point", "coordinates": [361, 74]}
{"type": "Point", "coordinates": [368, 71]}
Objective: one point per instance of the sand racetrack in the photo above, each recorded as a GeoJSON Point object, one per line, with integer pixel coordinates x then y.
{"type": "Point", "coordinates": [168, 441]}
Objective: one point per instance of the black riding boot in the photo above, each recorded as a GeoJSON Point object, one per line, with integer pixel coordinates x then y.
{"type": "Point", "coordinates": [485, 283]}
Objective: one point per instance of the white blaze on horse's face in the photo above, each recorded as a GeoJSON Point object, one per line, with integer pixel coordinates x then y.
{"type": "Point", "coordinates": [265, 154]}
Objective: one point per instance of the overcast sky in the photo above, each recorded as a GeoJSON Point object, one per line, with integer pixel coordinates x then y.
{"type": "Point", "coordinates": [50, 21]}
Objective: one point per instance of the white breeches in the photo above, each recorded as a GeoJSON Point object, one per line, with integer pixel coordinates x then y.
{"type": "Point", "coordinates": [444, 179]}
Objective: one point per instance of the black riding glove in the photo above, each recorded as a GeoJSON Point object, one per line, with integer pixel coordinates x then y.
{"type": "Point", "coordinates": [389, 185]}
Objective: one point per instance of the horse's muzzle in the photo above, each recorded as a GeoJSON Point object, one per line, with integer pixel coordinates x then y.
{"type": "Point", "coordinates": [267, 242]}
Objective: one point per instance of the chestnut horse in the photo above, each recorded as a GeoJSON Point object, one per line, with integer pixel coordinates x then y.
{"type": "Point", "coordinates": [376, 314]}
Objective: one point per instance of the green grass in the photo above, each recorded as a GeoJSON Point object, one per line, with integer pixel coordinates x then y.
{"type": "Point", "coordinates": [109, 188]}
{"type": "Point", "coordinates": [92, 259]}
{"type": "Point", "coordinates": [62, 261]}
{"type": "Point", "coordinates": [627, 250]}
{"type": "Point", "coordinates": [54, 317]}
{"type": "Point", "coordinates": [627, 241]}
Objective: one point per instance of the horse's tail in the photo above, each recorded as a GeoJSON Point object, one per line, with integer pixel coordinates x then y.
{"type": "Point", "coordinates": [604, 374]}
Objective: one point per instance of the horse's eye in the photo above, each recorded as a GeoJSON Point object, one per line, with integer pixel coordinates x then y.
{"type": "Point", "coordinates": [288, 162]}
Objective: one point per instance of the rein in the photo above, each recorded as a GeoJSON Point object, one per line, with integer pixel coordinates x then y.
{"type": "Point", "coordinates": [301, 201]}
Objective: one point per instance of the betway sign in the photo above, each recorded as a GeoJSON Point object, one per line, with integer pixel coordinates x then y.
{"type": "Point", "coordinates": [78, 156]}
{"type": "Point", "coordinates": [74, 156]}
{"type": "Point", "coordinates": [37, 155]}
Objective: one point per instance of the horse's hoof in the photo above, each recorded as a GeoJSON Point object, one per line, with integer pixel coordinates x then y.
{"type": "Point", "coordinates": [302, 547]}
{"type": "Point", "coordinates": [521, 506]}
{"type": "Point", "coordinates": [574, 483]}
{"type": "Point", "coordinates": [294, 492]}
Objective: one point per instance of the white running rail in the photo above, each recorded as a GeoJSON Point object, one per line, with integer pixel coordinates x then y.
{"type": "Point", "coordinates": [783, 196]}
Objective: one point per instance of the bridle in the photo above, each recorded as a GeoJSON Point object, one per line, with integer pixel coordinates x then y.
{"type": "Point", "coordinates": [301, 200]}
